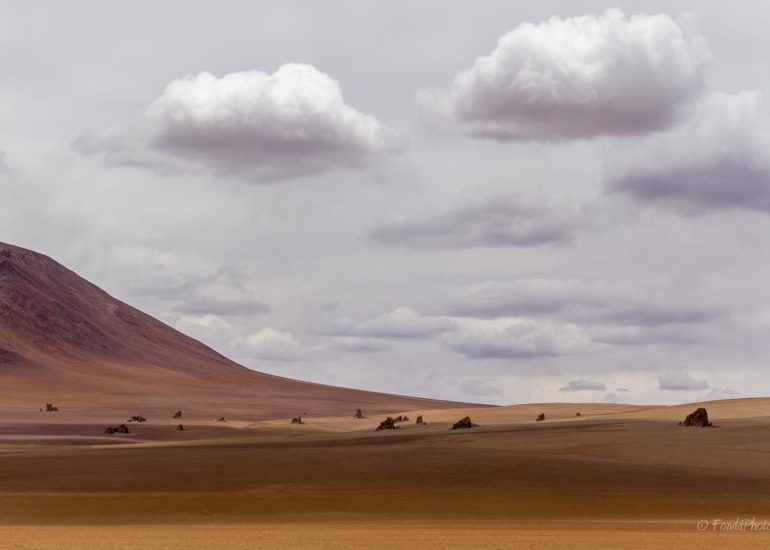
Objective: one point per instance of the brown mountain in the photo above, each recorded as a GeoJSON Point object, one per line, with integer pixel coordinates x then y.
{"type": "Point", "coordinates": [66, 341]}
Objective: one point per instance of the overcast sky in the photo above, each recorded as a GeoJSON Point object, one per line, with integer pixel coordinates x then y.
{"type": "Point", "coordinates": [485, 201]}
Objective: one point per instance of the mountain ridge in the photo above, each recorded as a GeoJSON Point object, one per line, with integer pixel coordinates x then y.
{"type": "Point", "coordinates": [63, 338]}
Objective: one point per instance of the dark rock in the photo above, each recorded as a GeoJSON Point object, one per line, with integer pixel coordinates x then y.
{"type": "Point", "coordinates": [540, 417]}
{"type": "Point", "coordinates": [699, 417]}
{"type": "Point", "coordinates": [122, 429]}
{"type": "Point", "coordinates": [137, 419]}
{"type": "Point", "coordinates": [463, 423]}
{"type": "Point", "coordinates": [419, 420]}
{"type": "Point", "coordinates": [387, 424]}
{"type": "Point", "coordinates": [358, 414]}
{"type": "Point", "coordinates": [221, 419]}
{"type": "Point", "coordinates": [297, 420]}
{"type": "Point", "coordinates": [177, 414]}
{"type": "Point", "coordinates": [398, 419]}
{"type": "Point", "coordinates": [51, 408]}
{"type": "Point", "coordinates": [578, 414]}
{"type": "Point", "coordinates": [180, 428]}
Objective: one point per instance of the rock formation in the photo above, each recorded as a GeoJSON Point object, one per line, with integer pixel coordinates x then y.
{"type": "Point", "coordinates": [540, 417]}
{"type": "Point", "coordinates": [359, 414]}
{"type": "Point", "coordinates": [180, 428]}
{"type": "Point", "coordinates": [463, 423]}
{"type": "Point", "coordinates": [177, 414]}
{"type": "Point", "coordinates": [137, 419]}
{"type": "Point", "coordinates": [297, 420]}
{"type": "Point", "coordinates": [419, 420]}
{"type": "Point", "coordinates": [387, 424]}
{"type": "Point", "coordinates": [51, 408]}
{"type": "Point", "coordinates": [221, 419]}
{"type": "Point", "coordinates": [699, 417]}
{"type": "Point", "coordinates": [578, 414]}
{"type": "Point", "coordinates": [122, 429]}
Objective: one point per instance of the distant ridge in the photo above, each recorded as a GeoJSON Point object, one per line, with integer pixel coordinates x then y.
{"type": "Point", "coordinates": [62, 338]}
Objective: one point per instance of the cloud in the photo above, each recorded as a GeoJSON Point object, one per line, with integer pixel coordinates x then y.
{"type": "Point", "coordinates": [357, 344]}
{"type": "Point", "coordinates": [513, 339]}
{"type": "Point", "coordinates": [650, 335]}
{"type": "Point", "coordinates": [718, 159]}
{"type": "Point", "coordinates": [402, 322]}
{"type": "Point", "coordinates": [207, 328]}
{"type": "Point", "coordinates": [269, 344]}
{"type": "Point", "coordinates": [474, 386]}
{"type": "Point", "coordinates": [582, 385]}
{"type": "Point", "coordinates": [585, 302]}
{"type": "Point", "coordinates": [222, 307]}
{"type": "Point", "coordinates": [680, 381]}
{"type": "Point", "coordinates": [576, 78]}
{"type": "Point", "coordinates": [493, 223]}
{"type": "Point", "coordinates": [721, 393]}
{"type": "Point", "coordinates": [264, 127]}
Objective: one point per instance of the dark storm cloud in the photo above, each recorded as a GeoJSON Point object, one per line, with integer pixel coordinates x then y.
{"type": "Point", "coordinates": [493, 223]}
{"type": "Point", "coordinates": [214, 306]}
{"type": "Point", "coordinates": [582, 385]}
{"type": "Point", "coordinates": [264, 127]}
{"type": "Point", "coordinates": [576, 77]}
{"type": "Point", "coordinates": [719, 159]}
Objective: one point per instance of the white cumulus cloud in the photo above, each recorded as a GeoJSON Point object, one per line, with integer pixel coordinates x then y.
{"type": "Point", "coordinates": [577, 77]}
{"type": "Point", "coordinates": [270, 344]}
{"type": "Point", "coordinates": [265, 127]}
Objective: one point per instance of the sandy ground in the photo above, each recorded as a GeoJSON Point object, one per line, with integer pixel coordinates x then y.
{"type": "Point", "coordinates": [617, 476]}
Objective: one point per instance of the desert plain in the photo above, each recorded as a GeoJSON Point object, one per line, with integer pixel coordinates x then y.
{"type": "Point", "coordinates": [240, 474]}
{"type": "Point", "coordinates": [616, 476]}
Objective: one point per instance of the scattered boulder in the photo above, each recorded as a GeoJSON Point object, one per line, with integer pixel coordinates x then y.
{"type": "Point", "coordinates": [699, 417]}
{"type": "Point", "coordinates": [221, 419]}
{"type": "Point", "coordinates": [297, 420]}
{"type": "Point", "coordinates": [122, 429]}
{"type": "Point", "coordinates": [180, 428]}
{"type": "Point", "coordinates": [463, 423]}
{"type": "Point", "coordinates": [419, 420]}
{"type": "Point", "coordinates": [540, 417]}
{"type": "Point", "coordinates": [137, 419]}
{"type": "Point", "coordinates": [51, 408]}
{"type": "Point", "coordinates": [406, 419]}
{"type": "Point", "coordinates": [358, 414]}
{"type": "Point", "coordinates": [177, 414]}
{"type": "Point", "coordinates": [398, 419]}
{"type": "Point", "coordinates": [578, 414]}
{"type": "Point", "coordinates": [387, 424]}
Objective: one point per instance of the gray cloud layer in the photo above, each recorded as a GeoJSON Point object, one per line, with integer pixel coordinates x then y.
{"type": "Point", "coordinates": [456, 278]}
{"type": "Point", "coordinates": [582, 385]}
{"type": "Point", "coordinates": [718, 159]}
{"type": "Point", "coordinates": [493, 223]}
{"type": "Point", "coordinates": [681, 381]}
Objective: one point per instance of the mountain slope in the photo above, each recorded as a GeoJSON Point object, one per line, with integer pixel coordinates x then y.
{"type": "Point", "coordinates": [64, 340]}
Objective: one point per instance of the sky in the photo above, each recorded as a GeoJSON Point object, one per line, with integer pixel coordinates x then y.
{"type": "Point", "coordinates": [495, 202]}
